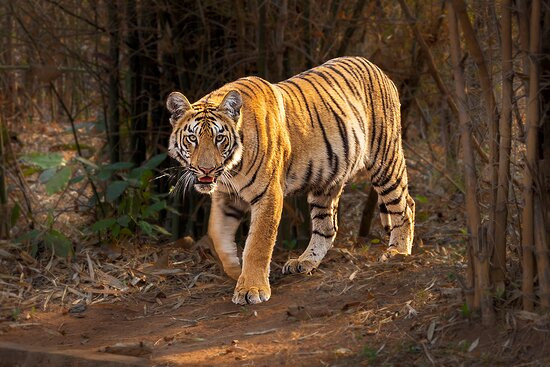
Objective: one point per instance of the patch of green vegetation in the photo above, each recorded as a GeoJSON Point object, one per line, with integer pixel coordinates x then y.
{"type": "Point", "coordinates": [465, 310]}
{"type": "Point", "coordinates": [369, 353]}
{"type": "Point", "coordinates": [291, 244]}
{"type": "Point", "coordinates": [15, 314]}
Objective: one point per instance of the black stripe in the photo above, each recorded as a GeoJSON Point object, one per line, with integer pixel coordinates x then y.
{"type": "Point", "coordinates": [304, 99]}
{"type": "Point", "coordinates": [232, 215]}
{"type": "Point", "coordinates": [328, 146]}
{"type": "Point", "coordinates": [236, 210]}
{"type": "Point", "coordinates": [321, 216]}
{"type": "Point", "coordinates": [251, 181]}
{"type": "Point", "coordinates": [322, 234]}
{"type": "Point", "coordinates": [307, 176]}
{"type": "Point", "coordinates": [397, 200]}
{"type": "Point", "coordinates": [256, 148]}
{"type": "Point", "coordinates": [317, 206]}
{"type": "Point", "coordinates": [388, 176]}
{"type": "Point", "coordinates": [259, 196]}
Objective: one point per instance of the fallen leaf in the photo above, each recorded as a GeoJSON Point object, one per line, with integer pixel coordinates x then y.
{"type": "Point", "coordinates": [128, 349]}
{"type": "Point", "coordinates": [473, 345]}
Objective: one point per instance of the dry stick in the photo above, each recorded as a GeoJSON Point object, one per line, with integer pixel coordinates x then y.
{"type": "Point", "coordinates": [527, 231]}
{"type": "Point", "coordinates": [435, 74]}
{"type": "Point", "coordinates": [492, 120]}
{"type": "Point", "coordinates": [501, 209]}
{"type": "Point", "coordinates": [472, 208]}
{"type": "Point", "coordinates": [449, 178]}
{"type": "Point", "coordinates": [77, 144]}
{"type": "Point", "coordinates": [542, 255]}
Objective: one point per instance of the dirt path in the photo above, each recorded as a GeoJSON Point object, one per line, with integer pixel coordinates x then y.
{"type": "Point", "coordinates": [353, 311]}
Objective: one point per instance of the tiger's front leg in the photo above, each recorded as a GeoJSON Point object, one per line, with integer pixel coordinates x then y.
{"type": "Point", "coordinates": [225, 216]}
{"type": "Point", "coordinates": [253, 284]}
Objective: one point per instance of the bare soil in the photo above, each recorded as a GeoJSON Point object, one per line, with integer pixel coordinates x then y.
{"type": "Point", "coordinates": [352, 311]}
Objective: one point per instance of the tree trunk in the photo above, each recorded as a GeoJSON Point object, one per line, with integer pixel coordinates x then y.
{"type": "Point", "coordinates": [352, 27]}
{"type": "Point", "coordinates": [135, 93]}
{"type": "Point", "coordinates": [262, 39]}
{"type": "Point", "coordinates": [4, 217]}
{"type": "Point", "coordinates": [501, 213]}
{"type": "Point", "coordinates": [280, 39]}
{"type": "Point", "coordinates": [490, 105]}
{"type": "Point", "coordinates": [478, 273]}
{"type": "Point", "coordinates": [527, 233]}
{"type": "Point", "coordinates": [114, 82]}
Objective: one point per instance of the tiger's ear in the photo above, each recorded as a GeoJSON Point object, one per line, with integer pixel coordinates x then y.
{"type": "Point", "coordinates": [177, 104]}
{"type": "Point", "coordinates": [231, 104]}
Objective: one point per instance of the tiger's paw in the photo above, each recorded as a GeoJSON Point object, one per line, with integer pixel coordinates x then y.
{"type": "Point", "coordinates": [392, 252]}
{"type": "Point", "coordinates": [296, 266]}
{"type": "Point", "coordinates": [251, 293]}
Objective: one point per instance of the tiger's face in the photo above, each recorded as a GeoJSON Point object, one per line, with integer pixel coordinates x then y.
{"type": "Point", "coordinates": [205, 138]}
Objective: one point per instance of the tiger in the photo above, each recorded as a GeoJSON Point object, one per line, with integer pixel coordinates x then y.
{"type": "Point", "coordinates": [250, 143]}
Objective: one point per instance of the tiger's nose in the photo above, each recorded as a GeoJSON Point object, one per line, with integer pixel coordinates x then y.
{"type": "Point", "coordinates": [206, 170]}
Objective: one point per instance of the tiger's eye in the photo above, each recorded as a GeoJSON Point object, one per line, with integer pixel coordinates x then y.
{"type": "Point", "coordinates": [192, 138]}
{"type": "Point", "coordinates": [220, 138]}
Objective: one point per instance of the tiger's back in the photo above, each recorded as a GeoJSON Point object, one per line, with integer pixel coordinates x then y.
{"type": "Point", "coordinates": [338, 116]}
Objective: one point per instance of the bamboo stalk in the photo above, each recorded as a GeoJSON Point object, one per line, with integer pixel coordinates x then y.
{"type": "Point", "coordinates": [472, 209]}
{"type": "Point", "coordinates": [483, 280]}
{"type": "Point", "coordinates": [501, 210]}
{"type": "Point", "coordinates": [484, 75]}
{"type": "Point", "coordinates": [527, 232]}
{"type": "Point", "coordinates": [542, 255]}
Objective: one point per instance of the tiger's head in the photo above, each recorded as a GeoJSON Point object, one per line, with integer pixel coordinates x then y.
{"type": "Point", "coordinates": [205, 138]}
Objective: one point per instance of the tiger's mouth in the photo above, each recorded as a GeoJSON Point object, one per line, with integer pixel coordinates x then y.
{"type": "Point", "coordinates": [205, 184]}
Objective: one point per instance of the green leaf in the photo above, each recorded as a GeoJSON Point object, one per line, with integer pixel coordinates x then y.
{"type": "Point", "coordinates": [58, 181]}
{"type": "Point", "coordinates": [115, 189]}
{"type": "Point", "coordinates": [76, 179]}
{"type": "Point", "coordinates": [155, 161]}
{"type": "Point", "coordinates": [104, 174]}
{"type": "Point", "coordinates": [60, 244]}
{"type": "Point", "coordinates": [172, 210]}
{"type": "Point", "coordinates": [118, 166]}
{"type": "Point", "coordinates": [421, 199]}
{"type": "Point", "coordinates": [103, 224]}
{"type": "Point", "coordinates": [46, 175]}
{"type": "Point", "coordinates": [115, 230]}
{"type": "Point", "coordinates": [44, 160]}
{"type": "Point", "coordinates": [29, 171]}
{"type": "Point", "coordinates": [123, 220]}
{"type": "Point", "coordinates": [153, 208]}
{"type": "Point", "coordinates": [30, 236]}
{"type": "Point", "coordinates": [161, 230]}
{"type": "Point", "coordinates": [87, 162]}
{"type": "Point", "coordinates": [15, 214]}
{"type": "Point", "coordinates": [147, 228]}
{"type": "Point", "coordinates": [126, 232]}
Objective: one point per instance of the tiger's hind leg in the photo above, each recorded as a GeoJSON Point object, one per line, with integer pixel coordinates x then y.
{"type": "Point", "coordinates": [385, 217]}
{"type": "Point", "coordinates": [397, 208]}
{"type": "Point", "coordinates": [323, 212]}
